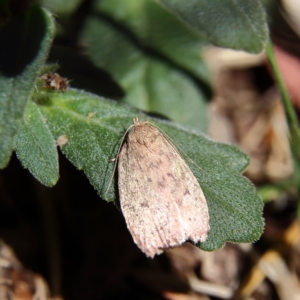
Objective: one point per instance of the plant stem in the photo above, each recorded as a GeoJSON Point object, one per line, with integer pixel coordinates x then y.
{"type": "Point", "coordinates": [290, 112]}
{"type": "Point", "coordinates": [287, 104]}
{"type": "Point", "coordinates": [291, 116]}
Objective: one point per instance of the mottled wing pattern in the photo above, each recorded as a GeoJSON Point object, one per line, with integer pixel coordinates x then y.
{"type": "Point", "coordinates": [161, 199]}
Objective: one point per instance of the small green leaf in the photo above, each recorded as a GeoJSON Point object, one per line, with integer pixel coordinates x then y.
{"type": "Point", "coordinates": [236, 24]}
{"type": "Point", "coordinates": [25, 41]}
{"type": "Point", "coordinates": [94, 128]}
{"type": "Point", "coordinates": [156, 28]}
{"type": "Point", "coordinates": [150, 84]}
{"type": "Point", "coordinates": [36, 148]}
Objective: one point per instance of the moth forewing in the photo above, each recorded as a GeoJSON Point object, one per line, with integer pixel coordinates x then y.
{"type": "Point", "coordinates": [162, 201]}
{"type": "Point", "coordinates": [115, 159]}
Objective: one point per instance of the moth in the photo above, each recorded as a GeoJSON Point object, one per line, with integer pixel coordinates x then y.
{"type": "Point", "coordinates": [161, 200]}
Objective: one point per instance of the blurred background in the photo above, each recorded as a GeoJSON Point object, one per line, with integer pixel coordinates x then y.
{"type": "Point", "coordinates": [66, 243]}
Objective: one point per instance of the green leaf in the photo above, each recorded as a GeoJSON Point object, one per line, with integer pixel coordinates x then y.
{"type": "Point", "coordinates": [236, 24]}
{"type": "Point", "coordinates": [156, 28]}
{"type": "Point", "coordinates": [94, 128]}
{"type": "Point", "coordinates": [150, 84]}
{"type": "Point", "coordinates": [25, 41]}
{"type": "Point", "coordinates": [36, 148]}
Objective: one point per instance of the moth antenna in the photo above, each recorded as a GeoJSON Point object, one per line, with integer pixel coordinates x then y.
{"type": "Point", "coordinates": [172, 143]}
{"type": "Point", "coordinates": [118, 153]}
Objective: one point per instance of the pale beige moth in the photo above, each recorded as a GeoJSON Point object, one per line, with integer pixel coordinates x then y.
{"type": "Point", "coordinates": [161, 200]}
